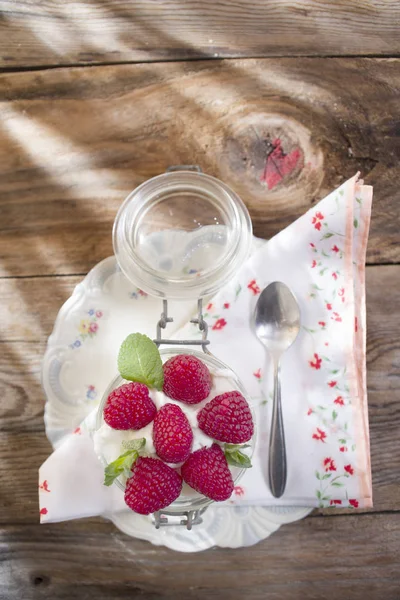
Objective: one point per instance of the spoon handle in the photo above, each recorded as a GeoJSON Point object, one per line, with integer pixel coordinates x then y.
{"type": "Point", "coordinates": [277, 451]}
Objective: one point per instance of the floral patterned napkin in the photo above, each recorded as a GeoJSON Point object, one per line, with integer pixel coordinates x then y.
{"type": "Point", "coordinates": [321, 256]}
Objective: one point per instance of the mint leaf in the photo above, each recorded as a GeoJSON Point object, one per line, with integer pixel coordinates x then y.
{"type": "Point", "coordinates": [234, 447]}
{"type": "Point", "coordinates": [134, 444]}
{"type": "Point", "coordinates": [235, 457]}
{"type": "Point", "coordinates": [139, 360]}
{"type": "Point", "coordinates": [121, 466]}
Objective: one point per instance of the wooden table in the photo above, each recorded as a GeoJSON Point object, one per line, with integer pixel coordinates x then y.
{"type": "Point", "coordinates": [81, 125]}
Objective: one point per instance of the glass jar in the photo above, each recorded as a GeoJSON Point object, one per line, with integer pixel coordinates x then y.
{"type": "Point", "coordinates": [182, 234]}
{"type": "Point", "coordinates": [190, 503]}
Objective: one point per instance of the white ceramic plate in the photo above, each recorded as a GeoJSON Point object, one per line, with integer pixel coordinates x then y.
{"type": "Point", "coordinates": [79, 363]}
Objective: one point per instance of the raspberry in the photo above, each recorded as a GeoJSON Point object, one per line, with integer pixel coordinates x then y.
{"type": "Point", "coordinates": [129, 407]}
{"type": "Point", "coordinates": [186, 378]}
{"type": "Point", "coordinates": [172, 434]}
{"type": "Point", "coordinates": [153, 486]}
{"type": "Point", "coordinates": [207, 472]}
{"type": "Point", "coordinates": [227, 418]}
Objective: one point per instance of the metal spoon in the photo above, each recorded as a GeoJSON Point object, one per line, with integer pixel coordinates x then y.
{"type": "Point", "coordinates": [277, 323]}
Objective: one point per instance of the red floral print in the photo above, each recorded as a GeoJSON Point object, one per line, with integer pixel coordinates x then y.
{"type": "Point", "coordinates": [44, 486]}
{"type": "Point", "coordinates": [77, 431]}
{"type": "Point", "coordinates": [333, 502]}
{"type": "Point", "coordinates": [313, 264]}
{"type": "Point", "coordinates": [312, 245]}
{"type": "Point", "coordinates": [319, 435]}
{"type": "Point", "coordinates": [339, 400]}
{"type": "Point", "coordinates": [329, 464]}
{"type": "Point", "coordinates": [334, 275]}
{"type": "Point", "coordinates": [355, 324]}
{"type": "Point", "coordinates": [142, 293]}
{"type": "Point", "coordinates": [316, 220]}
{"type": "Point", "coordinates": [349, 469]}
{"type": "Point", "coordinates": [99, 314]}
{"type": "Point", "coordinates": [43, 511]}
{"type": "Point", "coordinates": [316, 364]}
{"type": "Point", "coordinates": [309, 412]}
{"type": "Point", "coordinates": [335, 249]}
{"type": "Point", "coordinates": [322, 323]}
{"type": "Point", "coordinates": [238, 490]}
{"type": "Point", "coordinates": [254, 287]}
{"type": "Point", "coordinates": [332, 384]}
{"type": "Point", "coordinates": [343, 449]}
{"type": "Point", "coordinates": [93, 327]}
{"type": "Point", "coordinates": [336, 317]}
{"type": "Point", "coordinates": [226, 305]}
{"type": "Point", "coordinates": [257, 374]}
{"type": "Point", "coordinates": [209, 306]}
{"type": "Point", "coordinates": [328, 306]}
{"type": "Point", "coordinates": [353, 503]}
{"type": "Point", "coordinates": [219, 324]}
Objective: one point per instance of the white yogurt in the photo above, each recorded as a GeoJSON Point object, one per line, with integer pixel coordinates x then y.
{"type": "Point", "coordinates": [108, 441]}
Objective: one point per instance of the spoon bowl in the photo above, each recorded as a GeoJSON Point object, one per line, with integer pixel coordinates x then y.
{"type": "Point", "coordinates": [277, 318]}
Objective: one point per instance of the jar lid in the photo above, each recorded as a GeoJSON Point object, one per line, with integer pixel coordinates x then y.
{"type": "Point", "coordinates": [182, 234]}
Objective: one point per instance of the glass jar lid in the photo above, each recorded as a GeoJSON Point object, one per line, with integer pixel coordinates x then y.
{"type": "Point", "coordinates": [182, 234]}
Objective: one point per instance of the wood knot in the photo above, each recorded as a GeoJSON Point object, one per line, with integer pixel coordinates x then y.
{"type": "Point", "coordinates": [271, 156]}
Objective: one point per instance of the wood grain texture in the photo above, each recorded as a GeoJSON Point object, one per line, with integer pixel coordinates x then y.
{"type": "Point", "coordinates": [75, 142]}
{"type": "Point", "coordinates": [341, 557]}
{"type": "Point", "coordinates": [23, 445]}
{"type": "Point", "coordinates": [60, 33]}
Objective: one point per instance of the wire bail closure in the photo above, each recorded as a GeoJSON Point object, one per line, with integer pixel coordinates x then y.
{"type": "Point", "coordinates": [199, 320]}
{"type": "Point", "coordinates": [189, 518]}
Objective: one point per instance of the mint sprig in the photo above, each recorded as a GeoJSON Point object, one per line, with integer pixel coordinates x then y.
{"type": "Point", "coordinates": [235, 457]}
{"type": "Point", "coordinates": [139, 360]}
{"type": "Point", "coordinates": [137, 444]}
{"type": "Point", "coordinates": [123, 464]}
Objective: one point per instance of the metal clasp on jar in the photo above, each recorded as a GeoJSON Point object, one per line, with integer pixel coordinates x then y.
{"type": "Point", "coordinates": [186, 519]}
{"type": "Point", "coordinates": [199, 320]}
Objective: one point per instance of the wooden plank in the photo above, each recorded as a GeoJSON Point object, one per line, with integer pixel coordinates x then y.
{"type": "Point", "coordinates": [343, 557]}
{"type": "Point", "coordinates": [74, 142]}
{"type": "Point", "coordinates": [23, 446]}
{"type": "Point", "coordinates": [28, 307]}
{"type": "Point", "coordinates": [60, 33]}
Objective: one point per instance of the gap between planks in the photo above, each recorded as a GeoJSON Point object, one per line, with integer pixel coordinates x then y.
{"type": "Point", "coordinates": [84, 65]}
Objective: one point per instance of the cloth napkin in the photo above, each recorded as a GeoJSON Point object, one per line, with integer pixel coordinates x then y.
{"type": "Point", "coordinates": [321, 257]}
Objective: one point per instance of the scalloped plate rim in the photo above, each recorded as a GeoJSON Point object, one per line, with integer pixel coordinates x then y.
{"type": "Point", "coordinates": [291, 515]}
